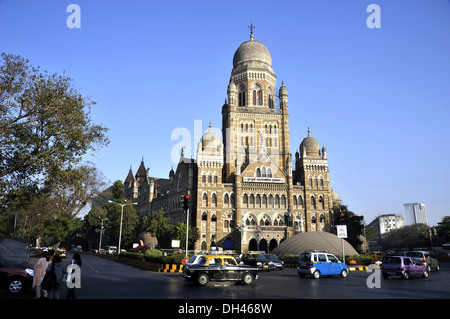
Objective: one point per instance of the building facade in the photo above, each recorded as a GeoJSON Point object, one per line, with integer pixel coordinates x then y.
{"type": "Point", "coordinates": [245, 192]}
{"type": "Point", "coordinates": [415, 213]}
{"type": "Point", "coordinates": [386, 223]}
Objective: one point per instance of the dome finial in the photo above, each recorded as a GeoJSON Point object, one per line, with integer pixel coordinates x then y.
{"type": "Point", "coordinates": [251, 27]}
{"type": "Point", "coordinates": [309, 132]}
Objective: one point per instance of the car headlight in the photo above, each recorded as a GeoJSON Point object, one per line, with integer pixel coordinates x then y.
{"type": "Point", "coordinates": [30, 271]}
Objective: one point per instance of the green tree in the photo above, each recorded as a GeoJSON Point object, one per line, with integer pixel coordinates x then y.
{"type": "Point", "coordinates": [355, 225]}
{"type": "Point", "coordinates": [443, 230]}
{"type": "Point", "coordinates": [45, 126]}
{"type": "Point", "coordinates": [117, 189]}
{"type": "Point", "coordinates": [130, 222]}
{"type": "Point", "coordinates": [179, 232]}
{"type": "Point", "coordinates": [161, 228]}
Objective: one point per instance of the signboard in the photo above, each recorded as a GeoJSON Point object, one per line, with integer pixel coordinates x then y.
{"type": "Point", "coordinates": [263, 179]}
{"type": "Point", "coordinates": [175, 243]}
{"type": "Point", "coordinates": [341, 231]}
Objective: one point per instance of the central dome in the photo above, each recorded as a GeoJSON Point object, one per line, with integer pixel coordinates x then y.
{"type": "Point", "coordinates": [252, 53]}
{"type": "Point", "coordinates": [311, 145]}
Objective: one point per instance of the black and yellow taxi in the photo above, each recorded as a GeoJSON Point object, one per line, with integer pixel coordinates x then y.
{"type": "Point", "coordinates": [219, 268]}
{"type": "Point", "coordinates": [257, 259]}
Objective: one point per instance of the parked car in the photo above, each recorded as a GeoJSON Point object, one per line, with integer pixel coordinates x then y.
{"type": "Point", "coordinates": [15, 277]}
{"type": "Point", "coordinates": [320, 263]}
{"type": "Point", "coordinates": [427, 258]}
{"type": "Point", "coordinates": [34, 252]}
{"type": "Point", "coordinates": [111, 250]}
{"type": "Point", "coordinates": [277, 263]}
{"type": "Point", "coordinates": [403, 266]}
{"type": "Point", "coordinates": [258, 260]}
{"type": "Point", "coordinates": [219, 268]}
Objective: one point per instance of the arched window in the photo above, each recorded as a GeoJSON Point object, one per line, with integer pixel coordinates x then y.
{"type": "Point", "coordinates": [242, 93]}
{"type": "Point", "coordinates": [232, 199]}
{"type": "Point", "coordinates": [226, 199]}
{"type": "Point", "coordinates": [313, 220]}
{"type": "Point", "coordinates": [322, 218]}
{"type": "Point", "coordinates": [252, 200]}
{"type": "Point", "coordinates": [277, 201]}
{"type": "Point", "coordinates": [214, 218]}
{"type": "Point", "coordinates": [321, 202]}
{"type": "Point", "coordinates": [313, 202]}
{"type": "Point", "coordinates": [245, 200]}
{"type": "Point", "coordinates": [294, 201]}
{"type": "Point", "coordinates": [263, 171]}
{"type": "Point", "coordinates": [258, 172]}
{"type": "Point", "coordinates": [205, 199]}
{"type": "Point", "coordinates": [257, 97]}
{"type": "Point", "coordinates": [214, 200]}
{"type": "Point", "coordinates": [269, 172]}
{"type": "Point", "coordinates": [271, 102]}
{"type": "Point", "coordinates": [270, 200]}
{"type": "Point", "coordinates": [264, 200]}
{"type": "Point", "coordinates": [258, 200]}
{"type": "Point", "coordinates": [300, 201]}
{"type": "Point", "coordinates": [283, 201]}
{"type": "Point", "coordinates": [204, 216]}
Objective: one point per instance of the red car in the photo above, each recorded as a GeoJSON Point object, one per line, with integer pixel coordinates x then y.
{"type": "Point", "coordinates": [14, 277]}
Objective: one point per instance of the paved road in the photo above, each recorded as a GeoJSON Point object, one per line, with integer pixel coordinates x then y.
{"type": "Point", "coordinates": [105, 279]}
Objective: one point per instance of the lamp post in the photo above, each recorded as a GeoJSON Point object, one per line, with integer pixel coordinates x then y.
{"type": "Point", "coordinates": [121, 220]}
{"type": "Point", "coordinates": [101, 233]}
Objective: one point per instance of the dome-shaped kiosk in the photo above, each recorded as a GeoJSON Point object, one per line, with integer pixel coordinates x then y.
{"type": "Point", "coordinates": [314, 241]}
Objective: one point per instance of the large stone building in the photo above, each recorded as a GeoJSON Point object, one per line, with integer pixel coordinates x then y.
{"type": "Point", "coordinates": [245, 192]}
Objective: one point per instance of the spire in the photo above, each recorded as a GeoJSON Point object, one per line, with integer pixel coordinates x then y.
{"type": "Point", "coordinates": [251, 27]}
{"type": "Point", "coordinates": [309, 132]}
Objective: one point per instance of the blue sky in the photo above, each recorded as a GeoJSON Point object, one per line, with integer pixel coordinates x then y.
{"type": "Point", "coordinates": [378, 99]}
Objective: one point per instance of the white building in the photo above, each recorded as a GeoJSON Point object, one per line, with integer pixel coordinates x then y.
{"type": "Point", "coordinates": [386, 223]}
{"type": "Point", "coordinates": [415, 213]}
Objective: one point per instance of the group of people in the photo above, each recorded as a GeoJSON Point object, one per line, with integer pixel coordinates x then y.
{"type": "Point", "coordinates": [52, 262]}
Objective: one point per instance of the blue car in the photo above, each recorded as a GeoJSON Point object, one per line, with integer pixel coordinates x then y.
{"type": "Point", "coordinates": [320, 263]}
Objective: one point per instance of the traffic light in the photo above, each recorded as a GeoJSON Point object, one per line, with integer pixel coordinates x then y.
{"type": "Point", "coordinates": [186, 202]}
{"type": "Point", "coordinates": [341, 218]}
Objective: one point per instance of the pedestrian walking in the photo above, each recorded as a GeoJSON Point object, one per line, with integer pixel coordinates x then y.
{"type": "Point", "coordinates": [39, 272]}
{"type": "Point", "coordinates": [53, 293]}
{"type": "Point", "coordinates": [76, 259]}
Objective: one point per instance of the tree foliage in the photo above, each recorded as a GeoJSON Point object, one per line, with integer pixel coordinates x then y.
{"type": "Point", "coordinates": [45, 126]}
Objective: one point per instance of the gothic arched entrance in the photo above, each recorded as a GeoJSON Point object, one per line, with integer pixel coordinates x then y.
{"type": "Point", "coordinates": [273, 244]}
{"type": "Point", "coordinates": [263, 245]}
{"type": "Point", "coordinates": [252, 245]}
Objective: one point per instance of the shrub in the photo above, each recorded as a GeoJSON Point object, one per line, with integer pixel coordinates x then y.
{"type": "Point", "coordinates": [153, 252]}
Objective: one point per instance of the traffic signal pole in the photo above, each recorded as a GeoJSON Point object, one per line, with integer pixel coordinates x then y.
{"type": "Point", "coordinates": [186, 207]}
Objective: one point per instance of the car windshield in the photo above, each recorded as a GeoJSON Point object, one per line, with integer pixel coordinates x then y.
{"type": "Point", "coordinates": [259, 256]}
{"type": "Point", "coordinates": [271, 257]}
{"type": "Point", "coordinates": [392, 261]}
{"type": "Point", "coordinates": [192, 259]}
{"type": "Point", "coordinates": [305, 257]}
{"type": "Point", "coordinates": [414, 254]}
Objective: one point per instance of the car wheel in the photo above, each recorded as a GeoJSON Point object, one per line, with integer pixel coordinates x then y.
{"type": "Point", "coordinates": [425, 274]}
{"type": "Point", "coordinates": [247, 278]}
{"type": "Point", "coordinates": [202, 279]}
{"type": "Point", "coordinates": [405, 275]}
{"type": "Point", "coordinates": [15, 285]}
{"type": "Point", "coordinates": [316, 274]}
{"type": "Point", "coordinates": [344, 273]}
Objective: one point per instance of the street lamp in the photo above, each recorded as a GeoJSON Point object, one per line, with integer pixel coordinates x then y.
{"type": "Point", "coordinates": [121, 219]}
{"type": "Point", "coordinates": [101, 233]}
